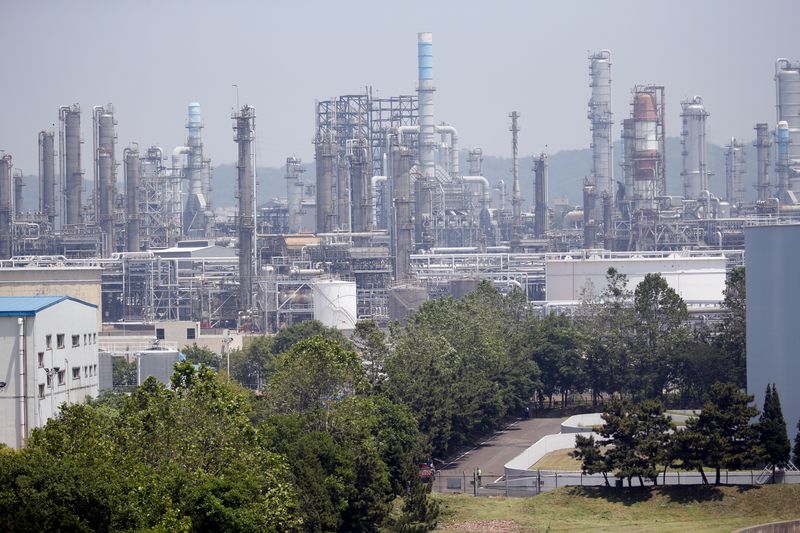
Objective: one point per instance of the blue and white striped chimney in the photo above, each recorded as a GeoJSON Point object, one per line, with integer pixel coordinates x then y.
{"type": "Point", "coordinates": [427, 129]}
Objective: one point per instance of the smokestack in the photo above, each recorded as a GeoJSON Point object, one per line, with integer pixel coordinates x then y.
{"type": "Point", "coordinates": [425, 89]}
{"type": "Point", "coordinates": [133, 172]}
{"type": "Point", "coordinates": [540, 219]}
{"type": "Point", "coordinates": [294, 192]}
{"type": "Point", "coordinates": [244, 134]}
{"type": "Point", "coordinates": [763, 144]}
{"type": "Point", "coordinates": [516, 191]}
{"type": "Point", "coordinates": [71, 173]}
{"type": "Point", "coordinates": [693, 139]}
{"type": "Point", "coordinates": [5, 206]}
{"type": "Point", "coordinates": [47, 177]}
{"type": "Point", "coordinates": [196, 215]}
{"type": "Point", "coordinates": [18, 184]}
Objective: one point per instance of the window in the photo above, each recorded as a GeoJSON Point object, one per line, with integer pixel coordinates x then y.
{"type": "Point", "coordinates": [61, 375]}
{"type": "Point", "coordinates": [49, 380]}
{"type": "Point", "coordinates": [85, 341]}
{"type": "Point", "coordinates": [49, 341]}
{"type": "Point", "coordinates": [85, 372]}
{"type": "Point", "coordinates": [41, 390]}
{"type": "Point", "coordinates": [60, 340]}
{"type": "Point", "coordinates": [41, 359]}
{"type": "Point", "coordinates": [76, 341]}
{"type": "Point", "coordinates": [76, 372]}
{"type": "Point", "coordinates": [190, 333]}
{"type": "Point", "coordinates": [94, 338]}
{"type": "Point", "coordinates": [94, 370]}
{"type": "Point", "coordinates": [160, 334]}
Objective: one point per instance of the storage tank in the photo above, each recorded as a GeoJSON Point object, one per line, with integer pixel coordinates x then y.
{"type": "Point", "coordinates": [335, 303]}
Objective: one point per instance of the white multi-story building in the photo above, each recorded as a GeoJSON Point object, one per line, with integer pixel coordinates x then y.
{"type": "Point", "coordinates": [48, 356]}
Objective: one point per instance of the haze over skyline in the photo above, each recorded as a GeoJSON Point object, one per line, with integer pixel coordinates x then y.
{"type": "Point", "coordinates": [150, 59]}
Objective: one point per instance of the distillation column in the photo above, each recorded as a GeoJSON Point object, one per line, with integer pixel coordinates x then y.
{"type": "Point", "coordinates": [540, 218]}
{"type": "Point", "coordinates": [600, 118]}
{"type": "Point", "coordinates": [734, 172]}
{"type": "Point", "coordinates": [18, 184]}
{"type": "Point", "coordinates": [294, 193]}
{"type": "Point", "coordinates": [47, 176]}
{"type": "Point", "coordinates": [133, 173]}
{"type": "Point", "coordinates": [105, 170]}
{"type": "Point", "coordinates": [516, 191]}
{"type": "Point", "coordinates": [71, 173]}
{"type": "Point", "coordinates": [342, 195]}
{"type": "Point", "coordinates": [693, 139]}
{"type": "Point", "coordinates": [763, 143]}
{"type": "Point", "coordinates": [5, 206]}
{"type": "Point", "coordinates": [196, 214]}
{"type": "Point", "coordinates": [404, 240]}
{"type": "Point", "coordinates": [647, 156]}
{"type": "Point", "coordinates": [325, 155]}
{"type": "Point", "coordinates": [244, 134]}
{"type": "Point", "coordinates": [782, 139]}
{"type": "Point", "coordinates": [360, 175]}
{"type": "Point", "coordinates": [787, 85]}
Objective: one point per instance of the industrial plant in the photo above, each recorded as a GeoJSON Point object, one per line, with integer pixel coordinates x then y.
{"type": "Point", "coordinates": [392, 217]}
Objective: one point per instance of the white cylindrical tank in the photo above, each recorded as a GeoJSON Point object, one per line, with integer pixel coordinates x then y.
{"type": "Point", "coordinates": [335, 303]}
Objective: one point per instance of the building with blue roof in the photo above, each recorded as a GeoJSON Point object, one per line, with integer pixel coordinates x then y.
{"type": "Point", "coordinates": [48, 357]}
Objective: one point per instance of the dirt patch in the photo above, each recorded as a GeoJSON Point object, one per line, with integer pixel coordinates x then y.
{"type": "Point", "coordinates": [486, 526]}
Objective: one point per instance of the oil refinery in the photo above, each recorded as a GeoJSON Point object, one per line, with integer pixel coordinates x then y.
{"type": "Point", "coordinates": [391, 218]}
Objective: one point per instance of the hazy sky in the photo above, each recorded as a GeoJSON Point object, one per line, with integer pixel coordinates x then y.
{"type": "Point", "coordinates": [151, 58]}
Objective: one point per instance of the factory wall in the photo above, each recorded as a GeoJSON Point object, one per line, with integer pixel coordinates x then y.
{"type": "Point", "coordinates": [772, 254]}
{"type": "Point", "coordinates": [693, 278]}
{"type": "Point", "coordinates": [83, 283]}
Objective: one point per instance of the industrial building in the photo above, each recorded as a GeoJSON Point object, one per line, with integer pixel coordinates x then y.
{"type": "Point", "coordinates": [392, 216]}
{"type": "Point", "coordinates": [48, 358]}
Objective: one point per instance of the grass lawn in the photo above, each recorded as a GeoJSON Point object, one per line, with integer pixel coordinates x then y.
{"type": "Point", "coordinates": [662, 509]}
{"type": "Point", "coordinates": [558, 460]}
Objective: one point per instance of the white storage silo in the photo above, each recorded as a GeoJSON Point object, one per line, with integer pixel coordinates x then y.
{"type": "Point", "coordinates": [335, 303]}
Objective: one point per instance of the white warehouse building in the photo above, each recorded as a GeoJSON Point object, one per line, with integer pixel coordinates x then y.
{"type": "Point", "coordinates": [48, 356]}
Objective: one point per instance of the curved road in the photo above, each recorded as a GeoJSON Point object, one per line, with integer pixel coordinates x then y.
{"type": "Point", "coordinates": [491, 454]}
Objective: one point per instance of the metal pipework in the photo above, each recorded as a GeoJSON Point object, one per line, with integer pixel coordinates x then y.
{"type": "Point", "coordinates": [763, 143]}
{"type": "Point", "coordinates": [454, 166]}
{"type": "Point", "coordinates": [540, 193]}
{"type": "Point", "coordinates": [244, 135]}
{"type": "Point", "coordinates": [5, 205]}
{"type": "Point", "coordinates": [516, 190]}
{"type": "Point", "coordinates": [600, 117]}
{"type": "Point", "coordinates": [325, 155]}
{"type": "Point", "coordinates": [782, 164]}
{"type": "Point", "coordinates": [486, 189]}
{"type": "Point", "coordinates": [47, 176]}
{"type": "Point", "coordinates": [342, 195]}
{"type": "Point", "coordinates": [197, 211]}
{"type": "Point", "coordinates": [133, 171]}
{"type": "Point", "coordinates": [106, 200]}
{"type": "Point", "coordinates": [294, 192]}
{"type": "Point", "coordinates": [693, 139]}
{"type": "Point", "coordinates": [71, 173]}
{"type": "Point", "coordinates": [475, 162]}
{"type": "Point", "coordinates": [374, 181]}
{"type": "Point", "coordinates": [18, 184]}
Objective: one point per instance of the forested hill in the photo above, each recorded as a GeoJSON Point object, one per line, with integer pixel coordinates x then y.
{"type": "Point", "coordinates": [567, 171]}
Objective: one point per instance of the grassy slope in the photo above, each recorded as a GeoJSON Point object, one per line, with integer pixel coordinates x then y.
{"type": "Point", "coordinates": [678, 509]}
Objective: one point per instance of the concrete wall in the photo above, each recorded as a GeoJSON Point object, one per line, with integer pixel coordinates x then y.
{"type": "Point", "coordinates": [77, 282]}
{"type": "Point", "coordinates": [772, 258]}
{"type": "Point", "coordinates": [693, 278]}
{"type": "Point", "coordinates": [68, 318]}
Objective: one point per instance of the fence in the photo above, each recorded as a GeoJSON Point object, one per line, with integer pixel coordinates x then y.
{"type": "Point", "coordinates": [538, 481]}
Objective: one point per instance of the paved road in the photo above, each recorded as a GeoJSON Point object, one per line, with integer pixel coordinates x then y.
{"type": "Point", "coordinates": [491, 454]}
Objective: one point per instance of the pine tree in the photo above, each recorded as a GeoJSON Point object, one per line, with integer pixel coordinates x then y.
{"type": "Point", "coordinates": [772, 431]}
{"type": "Point", "coordinates": [797, 445]}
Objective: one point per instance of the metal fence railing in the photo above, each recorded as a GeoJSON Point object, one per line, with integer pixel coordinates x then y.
{"type": "Point", "coordinates": [538, 481]}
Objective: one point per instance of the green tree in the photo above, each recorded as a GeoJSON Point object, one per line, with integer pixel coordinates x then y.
{"type": "Point", "coordinates": [370, 343]}
{"type": "Point", "coordinates": [420, 511]}
{"type": "Point", "coordinates": [593, 460]}
{"type": "Point", "coordinates": [201, 355]}
{"type": "Point", "coordinates": [660, 332]}
{"type": "Point", "coordinates": [797, 445]}
{"type": "Point", "coordinates": [722, 433]}
{"type": "Point", "coordinates": [253, 365]}
{"type": "Point", "coordinates": [123, 373]}
{"type": "Point", "coordinates": [291, 335]}
{"type": "Point", "coordinates": [311, 376]}
{"type": "Point", "coordinates": [772, 431]}
{"type": "Point", "coordinates": [731, 336]}
{"type": "Point", "coordinates": [653, 437]}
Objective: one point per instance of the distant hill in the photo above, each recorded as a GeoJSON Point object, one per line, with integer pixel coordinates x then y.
{"type": "Point", "coordinates": [567, 171]}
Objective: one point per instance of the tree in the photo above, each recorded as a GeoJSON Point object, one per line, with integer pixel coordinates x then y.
{"type": "Point", "coordinates": [201, 355]}
{"type": "Point", "coordinates": [593, 461]}
{"type": "Point", "coordinates": [652, 437]}
{"type": "Point", "coordinates": [253, 365]}
{"type": "Point", "coordinates": [311, 376]}
{"type": "Point", "coordinates": [772, 431]}
{"type": "Point", "coordinates": [291, 335]}
{"type": "Point", "coordinates": [797, 445]}
{"type": "Point", "coordinates": [722, 433]}
{"type": "Point", "coordinates": [420, 511]}
{"type": "Point", "coordinates": [731, 337]}
{"type": "Point", "coordinates": [660, 332]}
{"type": "Point", "coordinates": [123, 373]}
{"type": "Point", "coordinates": [370, 343]}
